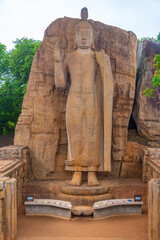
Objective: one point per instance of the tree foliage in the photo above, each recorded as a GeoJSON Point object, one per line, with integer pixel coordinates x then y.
{"type": "Point", "coordinates": [158, 38]}
{"type": "Point", "coordinates": [155, 82]}
{"type": "Point", "coordinates": [14, 72]}
{"type": "Point", "coordinates": [150, 39]}
{"type": "Point", "coordinates": [147, 38]}
{"type": "Point", "coordinates": [156, 78]}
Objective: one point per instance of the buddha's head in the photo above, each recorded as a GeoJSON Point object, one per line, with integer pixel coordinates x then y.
{"type": "Point", "coordinates": [84, 35]}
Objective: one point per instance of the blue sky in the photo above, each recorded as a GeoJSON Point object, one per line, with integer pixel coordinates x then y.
{"type": "Point", "coordinates": [30, 18]}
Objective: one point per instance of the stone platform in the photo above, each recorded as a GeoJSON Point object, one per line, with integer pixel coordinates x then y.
{"type": "Point", "coordinates": [120, 188]}
{"type": "Point", "coordinates": [83, 205]}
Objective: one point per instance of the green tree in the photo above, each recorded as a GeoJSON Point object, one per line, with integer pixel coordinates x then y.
{"type": "Point", "coordinates": [20, 59]}
{"type": "Point", "coordinates": [14, 72]}
{"type": "Point", "coordinates": [156, 78]}
{"type": "Point", "coordinates": [155, 82]}
{"type": "Point", "coordinates": [158, 38]}
{"type": "Point", "coordinates": [3, 63]}
{"type": "Point", "coordinates": [146, 38]}
{"type": "Point", "coordinates": [150, 39]}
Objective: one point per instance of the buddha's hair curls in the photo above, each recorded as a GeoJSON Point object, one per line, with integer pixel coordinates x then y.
{"type": "Point", "coordinates": [83, 25]}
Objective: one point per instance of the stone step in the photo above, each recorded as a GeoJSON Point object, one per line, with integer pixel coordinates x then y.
{"type": "Point", "coordinates": [84, 200]}
{"type": "Point", "coordinates": [82, 210]}
{"type": "Point", "coordinates": [84, 190]}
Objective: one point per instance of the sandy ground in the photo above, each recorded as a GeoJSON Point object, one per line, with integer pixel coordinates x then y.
{"type": "Point", "coordinates": [115, 228]}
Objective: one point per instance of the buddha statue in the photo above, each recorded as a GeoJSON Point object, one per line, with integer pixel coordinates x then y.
{"type": "Point", "coordinates": [88, 107]}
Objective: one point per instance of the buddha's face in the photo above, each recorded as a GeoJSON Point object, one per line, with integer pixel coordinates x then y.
{"type": "Point", "coordinates": [84, 38]}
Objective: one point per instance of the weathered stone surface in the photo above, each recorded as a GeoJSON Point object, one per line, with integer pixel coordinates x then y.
{"type": "Point", "coordinates": [84, 190]}
{"type": "Point", "coordinates": [18, 166]}
{"type": "Point", "coordinates": [153, 210]}
{"type": "Point", "coordinates": [49, 211]}
{"type": "Point", "coordinates": [146, 110]}
{"type": "Point", "coordinates": [117, 209]}
{"type": "Point", "coordinates": [8, 217]}
{"type": "Point", "coordinates": [82, 210]}
{"type": "Point", "coordinates": [89, 105]}
{"type": "Point", "coordinates": [151, 163]}
{"type": "Point", "coordinates": [42, 126]}
{"type": "Point", "coordinates": [132, 160]}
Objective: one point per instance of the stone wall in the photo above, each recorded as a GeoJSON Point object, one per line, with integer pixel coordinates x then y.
{"type": "Point", "coordinates": [151, 164]}
{"type": "Point", "coordinates": [41, 125]}
{"type": "Point", "coordinates": [14, 170]}
{"type": "Point", "coordinates": [14, 163]}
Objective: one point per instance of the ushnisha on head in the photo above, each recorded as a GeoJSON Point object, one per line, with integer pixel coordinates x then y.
{"type": "Point", "coordinates": [84, 13]}
{"type": "Point", "coordinates": [84, 32]}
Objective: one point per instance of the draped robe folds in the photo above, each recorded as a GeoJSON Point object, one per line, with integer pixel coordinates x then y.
{"type": "Point", "coordinates": [88, 110]}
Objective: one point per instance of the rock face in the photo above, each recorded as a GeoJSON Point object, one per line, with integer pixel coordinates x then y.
{"type": "Point", "coordinates": [42, 126]}
{"type": "Point", "coordinates": [146, 110]}
{"type": "Point", "coordinates": [132, 160]}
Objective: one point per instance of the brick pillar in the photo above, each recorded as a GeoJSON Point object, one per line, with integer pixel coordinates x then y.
{"type": "Point", "coordinates": [154, 210]}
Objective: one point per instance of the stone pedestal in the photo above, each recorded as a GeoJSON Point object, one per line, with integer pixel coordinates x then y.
{"type": "Point", "coordinates": [85, 196]}
{"type": "Point", "coordinates": [154, 210]}
{"type": "Point", "coordinates": [84, 190]}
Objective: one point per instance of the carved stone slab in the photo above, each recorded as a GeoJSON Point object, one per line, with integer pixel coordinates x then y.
{"type": "Point", "coordinates": [49, 207]}
{"type": "Point", "coordinates": [115, 207]}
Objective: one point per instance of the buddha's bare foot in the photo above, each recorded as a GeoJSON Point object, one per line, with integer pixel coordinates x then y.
{"type": "Point", "coordinates": [76, 179]}
{"type": "Point", "coordinates": [92, 179]}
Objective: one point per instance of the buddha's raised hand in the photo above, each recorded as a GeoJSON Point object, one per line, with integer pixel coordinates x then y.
{"type": "Point", "coordinates": [58, 55]}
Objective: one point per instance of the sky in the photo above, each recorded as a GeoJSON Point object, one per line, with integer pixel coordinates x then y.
{"type": "Point", "coordinates": [30, 18]}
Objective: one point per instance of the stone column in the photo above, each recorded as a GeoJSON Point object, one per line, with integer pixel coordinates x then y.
{"type": "Point", "coordinates": [8, 208]}
{"type": "Point", "coordinates": [154, 210]}
{"type": "Point", "coordinates": [1, 209]}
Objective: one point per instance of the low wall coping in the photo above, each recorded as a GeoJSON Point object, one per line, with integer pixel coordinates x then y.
{"type": "Point", "coordinates": [115, 202]}
{"type": "Point", "coordinates": [50, 202]}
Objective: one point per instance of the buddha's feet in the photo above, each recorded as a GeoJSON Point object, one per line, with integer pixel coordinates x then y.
{"type": "Point", "coordinates": [76, 179]}
{"type": "Point", "coordinates": [92, 179]}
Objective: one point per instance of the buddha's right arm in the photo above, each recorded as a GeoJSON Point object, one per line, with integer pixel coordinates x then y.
{"type": "Point", "coordinates": [59, 68]}
{"type": "Point", "coordinates": [60, 74]}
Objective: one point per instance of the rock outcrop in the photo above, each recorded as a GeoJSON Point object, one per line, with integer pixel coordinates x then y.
{"type": "Point", "coordinates": [41, 125]}
{"type": "Point", "coordinates": [146, 111]}
{"type": "Point", "coordinates": [132, 160]}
